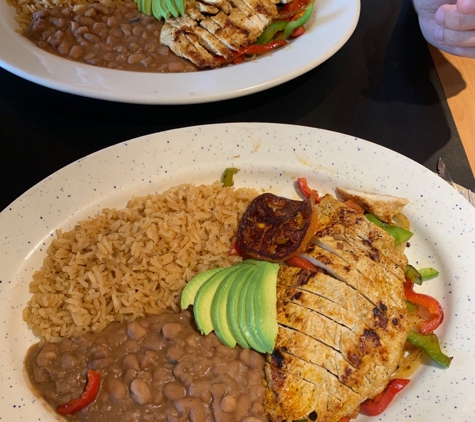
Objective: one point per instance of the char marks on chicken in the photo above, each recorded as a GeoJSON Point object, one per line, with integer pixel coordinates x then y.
{"type": "Point", "coordinates": [343, 328]}
{"type": "Point", "coordinates": [216, 28]}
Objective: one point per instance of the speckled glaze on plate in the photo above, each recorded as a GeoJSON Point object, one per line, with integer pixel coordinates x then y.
{"type": "Point", "coordinates": [330, 27]}
{"type": "Point", "coordinates": [271, 157]}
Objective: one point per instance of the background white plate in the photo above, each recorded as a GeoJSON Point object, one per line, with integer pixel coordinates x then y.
{"type": "Point", "coordinates": [332, 24]}
{"type": "Point", "coordinates": [272, 157]}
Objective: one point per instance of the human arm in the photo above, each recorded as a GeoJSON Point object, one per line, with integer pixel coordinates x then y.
{"type": "Point", "coordinates": [448, 25]}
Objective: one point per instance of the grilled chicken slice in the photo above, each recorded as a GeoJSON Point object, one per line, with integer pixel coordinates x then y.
{"type": "Point", "coordinates": [339, 220]}
{"type": "Point", "coordinates": [240, 35]}
{"type": "Point", "coordinates": [216, 28]}
{"type": "Point", "coordinates": [253, 17]}
{"type": "Point", "coordinates": [205, 39]}
{"type": "Point", "coordinates": [343, 328]}
{"type": "Point", "coordinates": [185, 44]}
{"type": "Point", "coordinates": [384, 207]}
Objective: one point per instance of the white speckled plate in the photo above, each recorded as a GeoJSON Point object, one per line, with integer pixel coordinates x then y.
{"type": "Point", "coordinates": [270, 156]}
{"type": "Point", "coordinates": [332, 24]}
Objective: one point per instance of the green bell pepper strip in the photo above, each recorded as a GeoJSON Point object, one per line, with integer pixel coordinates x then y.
{"type": "Point", "coordinates": [430, 344]}
{"type": "Point", "coordinates": [400, 235]}
{"type": "Point", "coordinates": [293, 25]}
{"type": "Point", "coordinates": [270, 31]}
{"type": "Point", "coordinates": [412, 274]}
{"type": "Point", "coordinates": [428, 273]}
{"type": "Point", "coordinates": [227, 176]}
{"type": "Point", "coordinates": [411, 307]}
{"type": "Point", "coordinates": [286, 27]}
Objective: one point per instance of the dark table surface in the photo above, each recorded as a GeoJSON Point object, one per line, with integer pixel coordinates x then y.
{"type": "Point", "coordinates": [382, 86]}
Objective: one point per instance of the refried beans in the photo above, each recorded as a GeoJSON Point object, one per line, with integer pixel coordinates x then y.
{"type": "Point", "coordinates": [117, 38]}
{"type": "Point", "coordinates": [157, 369]}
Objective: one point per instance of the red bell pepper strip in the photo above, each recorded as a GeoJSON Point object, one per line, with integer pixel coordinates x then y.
{"type": "Point", "coordinates": [305, 189]}
{"type": "Point", "coordinates": [303, 263]}
{"type": "Point", "coordinates": [93, 384]}
{"type": "Point", "coordinates": [297, 33]}
{"type": "Point", "coordinates": [378, 405]}
{"type": "Point", "coordinates": [354, 206]}
{"type": "Point", "coordinates": [345, 419]}
{"type": "Point", "coordinates": [433, 306]}
{"type": "Point", "coordinates": [234, 250]}
{"type": "Point", "coordinates": [292, 8]}
{"type": "Point", "coordinates": [253, 49]}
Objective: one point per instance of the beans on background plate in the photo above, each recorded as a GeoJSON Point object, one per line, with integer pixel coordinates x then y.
{"type": "Point", "coordinates": [117, 38]}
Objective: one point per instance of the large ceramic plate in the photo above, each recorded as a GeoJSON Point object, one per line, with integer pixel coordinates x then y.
{"type": "Point", "coordinates": [332, 24]}
{"type": "Point", "coordinates": [270, 157]}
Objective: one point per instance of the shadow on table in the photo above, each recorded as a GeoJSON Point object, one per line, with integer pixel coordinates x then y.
{"type": "Point", "coordinates": [457, 83]}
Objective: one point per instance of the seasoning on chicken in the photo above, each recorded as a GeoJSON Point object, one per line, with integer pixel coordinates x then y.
{"type": "Point", "coordinates": [275, 229]}
{"type": "Point", "coordinates": [343, 328]}
{"type": "Point", "coordinates": [215, 28]}
{"type": "Point", "coordinates": [384, 207]}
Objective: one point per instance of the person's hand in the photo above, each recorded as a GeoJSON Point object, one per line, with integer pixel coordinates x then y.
{"type": "Point", "coordinates": [448, 25]}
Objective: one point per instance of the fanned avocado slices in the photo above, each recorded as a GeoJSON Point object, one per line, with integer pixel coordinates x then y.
{"type": "Point", "coordinates": [219, 307]}
{"type": "Point", "coordinates": [237, 303]}
{"type": "Point", "coordinates": [180, 4]}
{"type": "Point", "coordinates": [172, 8]}
{"type": "Point", "coordinates": [161, 8]}
{"type": "Point", "coordinates": [233, 309]}
{"type": "Point", "coordinates": [146, 7]}
{"type": "Point", "coordinates": [189, 292]}
{"type": "Point", "coordinates": [204, 298]}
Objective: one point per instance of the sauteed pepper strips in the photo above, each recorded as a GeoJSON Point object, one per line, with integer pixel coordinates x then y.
{"type": "Point", "coordinates": [303, 263]}
{"type": "Point", "coordinates": [227, 176]}
{"type": "Point", "coordinates": [419, 276]}
{"type": "Point", "coordinates": [430, 344]}
{"type": "Point", "coordinates": [400, 235]}
{"type": "Point", "coordinates": [428, 273]}
{"type": "Point", "coordinates": [306, 191]}
{"type": "Point", "coordinates": [93, 384]}
{"type": "Point", "coordinates": [430, 303]}
{"type": "Point", "coordinates": [378, 405]}
{"type": "Point", "coordinates": [293, 25]}
{"type": "Point", "coordinates": [287, 28]}
{"type": "Point", "coordinates": [270, 31]}
{"type": "Point", "coordinates": [253, 49]}
{"type": "Point", "coordinates": [412, 274]}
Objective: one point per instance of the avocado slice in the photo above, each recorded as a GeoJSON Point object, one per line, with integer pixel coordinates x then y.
{"type": "Point", "coordinates": [204, 298]}
{"type": "Point", "coordinates": [172, 8]}
{"type": "Point", "coordinates": [161, 9]}
{"type": "Point", "coordinates": [235, 293]}
{"type": "Point", "coordinates": [219, 307]}
{"type": "Point", "coordinates": [246, 312]}
{"type": "Point", "coordinates": [146, 7]}
{"type": "Point", "coordinates": [180, 5]}
{"type": "Point", "coordinates": [265, 304]}
{"type": "Point", "coordinates": [251, 307]}
{"type": "Point", "coordinates": [190, 290]}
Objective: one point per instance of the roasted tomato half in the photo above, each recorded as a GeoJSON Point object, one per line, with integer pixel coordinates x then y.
{"type": "Point", "coordinates": [275, 228]}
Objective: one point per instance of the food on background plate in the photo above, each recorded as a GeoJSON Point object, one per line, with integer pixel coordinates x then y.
{"type": "Point", "coordinates": [329, 305]}
{"type": "Point", "coordinates": [162, 35]}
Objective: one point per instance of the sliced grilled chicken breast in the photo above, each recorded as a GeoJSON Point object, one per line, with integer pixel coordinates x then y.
{"type": "Point", "coordinates": [343, 328]}
{"type": "Point", "coordinates": [215, 28]}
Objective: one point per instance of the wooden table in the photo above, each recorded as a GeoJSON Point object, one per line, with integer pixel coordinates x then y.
{"type": "Point", "coordinates": [457, 76]}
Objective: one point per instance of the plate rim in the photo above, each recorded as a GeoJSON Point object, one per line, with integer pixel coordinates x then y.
{"type": "Point", "coordinates": [144, 88]}
{"type": "Point", "coordinates": [463, 366]}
